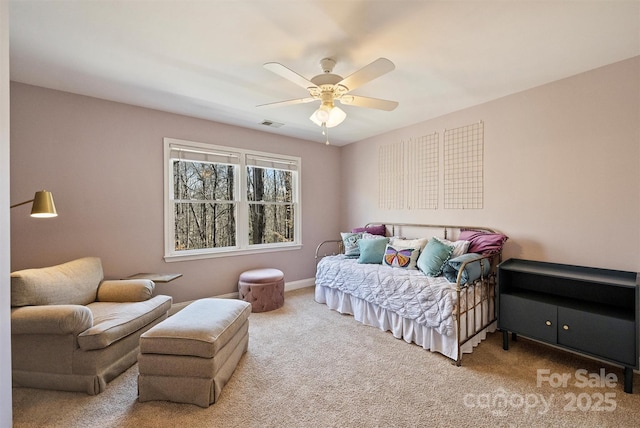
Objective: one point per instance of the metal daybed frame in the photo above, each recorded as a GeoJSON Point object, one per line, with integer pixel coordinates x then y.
{"type": "Point", "coordinates": [475, 301]}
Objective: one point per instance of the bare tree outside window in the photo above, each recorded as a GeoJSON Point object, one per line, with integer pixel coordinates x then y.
{"type": "Point", "coordinates": [271, 209]}
{"type": "Point", "coordinates": [205, 209]}
{"type": "Point", "coordinates": [222, 201]}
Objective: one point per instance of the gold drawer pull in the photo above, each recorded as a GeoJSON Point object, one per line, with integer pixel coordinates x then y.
{"type": "Point", "coordinates": [548, 322]}
{"type": "Point", "coordinates": [566, 327]}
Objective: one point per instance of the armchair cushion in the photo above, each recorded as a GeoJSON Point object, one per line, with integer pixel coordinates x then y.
{"type": "Point", "coordinates": [51, 319]}
{"type": "Point", "coordinates": [114, 321]}
{"type": "Point", "coordinates": [125, 290]}
{"type": "Point", "coordinates": [75, 282]}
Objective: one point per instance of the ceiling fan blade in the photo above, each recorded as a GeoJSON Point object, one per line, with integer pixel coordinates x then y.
{"type": "Point", "coordinates": [288, 102]}
{"type": "Point", "coordinates": [377, 103]}
{"type": "Point", "coordinates": [289, 74]}
{"type": "Point", "coordinates": [367, 73]}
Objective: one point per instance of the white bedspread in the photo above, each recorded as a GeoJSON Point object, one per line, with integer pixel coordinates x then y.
{"type": "Point", "coordinates": [428, 301]}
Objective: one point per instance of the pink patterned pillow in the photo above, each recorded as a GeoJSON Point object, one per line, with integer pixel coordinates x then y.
{"type": "Point", "coordinates": [483, 242]}
{"type": "Point", "coordinates": [374, 230]}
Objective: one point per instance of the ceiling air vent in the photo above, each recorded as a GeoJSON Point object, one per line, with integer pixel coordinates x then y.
{"type": "Point", "coordinates": [271, 123]}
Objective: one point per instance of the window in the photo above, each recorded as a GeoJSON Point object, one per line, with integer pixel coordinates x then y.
{"type": "Point", "coordinates": [223, 201]}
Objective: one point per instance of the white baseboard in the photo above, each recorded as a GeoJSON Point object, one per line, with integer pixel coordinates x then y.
{"type": "Point", "coordinates": [288, 286]}
{"type": "Point", "coordinates": [294, 285]}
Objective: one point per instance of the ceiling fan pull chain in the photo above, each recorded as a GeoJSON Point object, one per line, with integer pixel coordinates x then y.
{"type": "Point", "coordinates": [325, 132]}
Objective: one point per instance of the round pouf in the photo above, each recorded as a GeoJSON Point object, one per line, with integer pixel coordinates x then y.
{"type": "Point", "coordinates": [263, 288]}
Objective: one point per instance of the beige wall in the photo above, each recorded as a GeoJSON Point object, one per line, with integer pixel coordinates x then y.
{"type": "Point", "coordinates": [562, 170]}
{"type": "Point", "coordinates": [103, 162]}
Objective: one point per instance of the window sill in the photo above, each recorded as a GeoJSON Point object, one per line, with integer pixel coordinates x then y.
{"type": "Point", "coordinates": [228, 253]}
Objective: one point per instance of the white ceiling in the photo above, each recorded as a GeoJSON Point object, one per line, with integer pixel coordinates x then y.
{"type": "Point", "coordinates": [204, 58]}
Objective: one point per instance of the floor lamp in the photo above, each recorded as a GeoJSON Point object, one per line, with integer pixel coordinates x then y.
{"type": "Point", "coordinates": [43, 205]}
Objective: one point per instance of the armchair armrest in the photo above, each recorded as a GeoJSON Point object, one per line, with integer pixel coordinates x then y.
{"type": "Point", "coordinates": [125, 290]}
{"type": "Point", "coordinates": [51, 319]}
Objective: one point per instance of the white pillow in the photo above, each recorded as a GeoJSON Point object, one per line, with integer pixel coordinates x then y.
{"type": "Point", "coordinates": [367, 235]}
{"type": "Point", "coordinates": [459, 247]}
{"type": "Point", "coordinates": [419, 243]}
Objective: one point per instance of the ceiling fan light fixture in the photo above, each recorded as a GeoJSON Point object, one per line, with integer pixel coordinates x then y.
{"type": "Point", "coordinates": [328, 115]}
{"type": "Point", "coordinates": [323, 113]}
{"type": "Point", "coordinates": [314, 119]}
{"type": "Point", "coordinates": [336, 117]}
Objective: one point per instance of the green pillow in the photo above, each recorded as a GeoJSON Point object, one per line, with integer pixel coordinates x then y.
{"type": "Point", "coordinates": [372, 250]}
{"type": "Point", "coordinates": [434, 256]}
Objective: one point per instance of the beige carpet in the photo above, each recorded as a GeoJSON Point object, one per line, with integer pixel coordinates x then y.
{"type": "Point", "coordinates": [308, 366]}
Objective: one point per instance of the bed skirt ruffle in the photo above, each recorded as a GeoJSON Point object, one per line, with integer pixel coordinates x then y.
{"type": "Point", "coordinates": [401, 328]}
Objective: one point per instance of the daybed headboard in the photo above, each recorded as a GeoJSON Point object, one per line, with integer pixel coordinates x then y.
{"type": "Point", "coordinates": [408, 230]}
{"type": "Point", "coordinates": [448, 231]}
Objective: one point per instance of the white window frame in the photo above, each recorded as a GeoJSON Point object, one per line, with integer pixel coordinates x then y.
{"type": "Point", "coordinates": [242, 205]}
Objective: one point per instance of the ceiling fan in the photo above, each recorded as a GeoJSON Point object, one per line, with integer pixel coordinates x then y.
{"type": "Point", "coordinates": [329, 88]}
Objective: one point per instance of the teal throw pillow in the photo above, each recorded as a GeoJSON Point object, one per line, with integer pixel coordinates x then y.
{"type": "Point", "coordinates": [473, 270]}
{"type": "Point", "coordinates": [434, 256]}
{"type": "Point", "coordinates": [372, 250]}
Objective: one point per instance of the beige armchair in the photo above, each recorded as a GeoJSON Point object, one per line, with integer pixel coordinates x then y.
{"type": "Point", "coordinates": [72, 330]}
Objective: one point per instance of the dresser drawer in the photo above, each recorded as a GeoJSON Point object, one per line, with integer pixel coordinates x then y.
{"type": "Point", "coordinates": [528, 317]}
{"type": "Point", "coordinates": [600, 335]}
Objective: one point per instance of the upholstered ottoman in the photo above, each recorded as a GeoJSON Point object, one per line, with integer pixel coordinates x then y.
{"type": "Point", "coordinates": [263, 288]}
{"type": "Point", "coordinates": [190, 356]}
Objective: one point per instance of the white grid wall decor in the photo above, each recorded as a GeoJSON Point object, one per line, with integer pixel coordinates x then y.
{"type": "Point", "coordinates": [422, 172]}
{"type": "Point", "coordinates": [464, 167]}
{"type": "Point", "coordinates": [391, 176]}
{"type": "Point", "coordinates": [409, 172]}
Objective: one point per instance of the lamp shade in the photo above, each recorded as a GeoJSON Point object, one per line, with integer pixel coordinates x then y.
{"type": "Point", "coordinates": [43, 205]}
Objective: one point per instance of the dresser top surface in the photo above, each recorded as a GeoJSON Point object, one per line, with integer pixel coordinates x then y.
{"type": "Point", "coordinates": [579, 273]}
